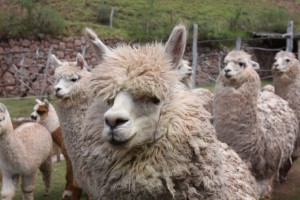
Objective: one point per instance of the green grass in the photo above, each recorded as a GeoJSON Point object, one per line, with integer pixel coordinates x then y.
{"type": "Point", "coordinates": [216, 19]}
{"type": "Point", "coordinates": [57, 184]}
{"type": "Point", "coordinates": [19, 107]}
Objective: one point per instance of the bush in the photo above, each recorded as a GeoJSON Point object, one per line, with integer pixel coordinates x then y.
{"type": "Point", "coordinates": [26, 18]}
{"type": "Point", "coordinates": [48, 21]}
{"type": "Point", "coordinates": [104, 14]}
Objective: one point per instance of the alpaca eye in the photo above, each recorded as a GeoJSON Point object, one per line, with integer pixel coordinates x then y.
{"type": "Point", "coordinates": [40, 112]}
{"type": "Point", "coordinates": [110, 102]}
{"type": "Point", "coordinates": [155, 100]}
{"type": "Point", "coordinates": [287, 60]}
{"type": "Point", "coordinates": [241, 64]}
{"type": "Point", "coordinates": [74, 79]}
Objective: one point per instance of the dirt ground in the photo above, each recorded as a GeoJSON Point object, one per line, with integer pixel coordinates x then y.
{"type": "Point", "coordinates": [291, 189]}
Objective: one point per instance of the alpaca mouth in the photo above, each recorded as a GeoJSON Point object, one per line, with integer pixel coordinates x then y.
{"type": "Point", "coordinates": [228, 76]}
{"type": "Point", "coordinates": [115, 142]}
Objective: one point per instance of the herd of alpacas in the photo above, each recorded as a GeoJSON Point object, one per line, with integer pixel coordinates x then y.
{"type": "Point", "coordinates": [133, 128]}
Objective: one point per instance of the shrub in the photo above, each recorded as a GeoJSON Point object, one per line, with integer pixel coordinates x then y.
{"type": "Point", "coordinates": [26, 18]}
{"type": "Point", "coordinates": [104, 14]}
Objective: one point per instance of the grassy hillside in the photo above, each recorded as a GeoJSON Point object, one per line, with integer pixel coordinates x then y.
{"type": "Point", "coordinates": [216, 19]}
{"type": "Point", "coordinates": [150, 19]}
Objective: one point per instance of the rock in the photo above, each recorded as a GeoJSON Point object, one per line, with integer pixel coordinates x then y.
{"type": "Point", "coordinates": [26, 43]}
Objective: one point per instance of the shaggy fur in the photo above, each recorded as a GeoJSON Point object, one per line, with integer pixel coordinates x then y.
{"type": "Point", "coordinates": [286, 79]}
{"type": "Point", "coordinates": [22, 152]}
{"type": "Point", "coordinates": [259, 126]}
{"type": "Point", "coordinates": [183, 160]}
{"type": "Point", "coordinates": [71, 107]}
{"type": "Point", "coordinates": [185, 75]}
{"type": "Point", "coordinates": [45, 114]}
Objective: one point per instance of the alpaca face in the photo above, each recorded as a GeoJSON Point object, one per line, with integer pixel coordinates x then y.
{"type": "Point", "coordinates": [185, 71]}
{"type": "Point", "coordinates": [283, 62]}
{"type": "Point", "coordinates": [5, 122]}
{"type": "Point", "coordinates": [135, 82]}
{"type": "Point", "coordinates": [40, 111]}
{"type": "Point", "coordinates": [235, 64]}
{"type": "Point", "coordinates": [68, 77]}
{"type": "Point", "coordinates": [131, 120]}
{"type": "Point", "coordinates": [65, 85]}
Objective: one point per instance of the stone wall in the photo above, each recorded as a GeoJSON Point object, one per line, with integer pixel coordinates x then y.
{"type": "Point", "coordinates": [23, 62]}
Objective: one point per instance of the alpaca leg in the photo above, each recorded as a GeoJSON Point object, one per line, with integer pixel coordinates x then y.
{"type": "Point", "coordinates": [9, 184]}
{"type": "Point", "coordinates": [28, 185]}
{"type": "Point", "coordinates": [77, 191]}
{"type": "Point", "coordinates": [69, 176]}
{"type": "Point", "coordinates": [46, 170]}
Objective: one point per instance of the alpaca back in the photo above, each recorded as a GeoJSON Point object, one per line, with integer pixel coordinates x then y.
{"type": "Point", "coordinates": [26, 148]}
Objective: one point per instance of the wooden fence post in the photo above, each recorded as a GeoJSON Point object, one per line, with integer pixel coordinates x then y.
{"type": "Point", "coordinates": [238, 44]}
{"type": "Point", "coordinates": [83, 51]}
{"type": "Point", "coordinates": [298, 43]}
{"type": "Point", "coordinates": [111, 17]}
{"type": "Point", "coordinates": [195, 54]}
{"type": "Point", "coordinates": [289, 36]}
{"type": "Point", "coordinates": [44, 85]}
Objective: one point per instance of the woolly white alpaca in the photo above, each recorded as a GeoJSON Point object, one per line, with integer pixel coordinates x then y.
{"type": "Point", "coordinates": [259, 126]}
{"type": "Point", "coordinates": [286, 80]}
{"type": "Point", "coordinates": [71, 103]}
{"type": "Point", "coordinates": [45, 114]}
{"type": "Point", "coordinates": [153, 142]}
{"type": "Point", "coordinates": [22, 152]}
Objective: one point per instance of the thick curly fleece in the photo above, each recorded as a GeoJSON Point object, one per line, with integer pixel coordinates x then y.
{"type": "Point", "coordinates": [122, 73]}
{"type": "Point", "coordinates": [186, 161]}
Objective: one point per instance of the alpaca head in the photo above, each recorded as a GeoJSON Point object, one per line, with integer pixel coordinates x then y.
{"type": "Point", "coordinates": [284, 62]}
{"type": "Point", "coordinates": [5, 121]}
{"type": "Point", "coordinates": [135, 82]}
{"type": "Point", "coordinates": [236, 62]}
{"type": "Point", "coordinates": [68, 76]}
{"type": "Point", "coordinates": [184, 69]}
{"type": "Point", "coordinates": [40, 110]}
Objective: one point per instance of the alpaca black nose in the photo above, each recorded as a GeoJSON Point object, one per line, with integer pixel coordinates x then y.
{"type": "Point", "coordinates": [33, 117]}
{"type": "Point", "coordinates": [227, 70]}
{"type": "Point", "coordinates": [114, 121]}
{"type": "Point", "coordinates": [57, 89]}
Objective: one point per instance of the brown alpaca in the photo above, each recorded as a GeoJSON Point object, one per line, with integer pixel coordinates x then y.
{"type": "Point", "coordinates": [45, 114]}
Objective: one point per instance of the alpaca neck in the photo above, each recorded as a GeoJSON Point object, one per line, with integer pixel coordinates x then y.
{"type": "Point", "coordinates": [10, 147]}
{"type": "Point", "coordinates": [52, 121]}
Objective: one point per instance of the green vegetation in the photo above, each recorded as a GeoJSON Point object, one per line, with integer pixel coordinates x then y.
{"type": "Point", "coordinates": [147, 19]}
{"type": "Point", "coordinates": [216, 19]}
{"type": "Point", "coordinates": [23, 18]}
{"type": "Point", "coordinates": [57, 184]}
{"type": "Point", "coordinates": [19, 107]}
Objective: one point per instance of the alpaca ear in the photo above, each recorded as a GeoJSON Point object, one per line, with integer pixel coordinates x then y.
{"type": "Point", "coordinates": [175, 45]}
{"type": "Point", "coordinates": [46, 103]}
{"type": "Point", "coordinates": [2, 108]}
{"type": "Point", "coordinates": [38, 101]}
{"type": "Point", "coordinates": [54, 61]}
{"type": "Point", "coordinates": [80, 62]}
{"type": "Point", "coordinates": [98, 46]}
{"type": "Point", "coordinates": [255, 65]}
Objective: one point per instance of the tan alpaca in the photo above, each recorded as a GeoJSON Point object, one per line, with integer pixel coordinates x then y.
{"type": "Point", "coordinates": [145, 136]}
{"type": "Point", "coordinates": [45, 114]}
{"type": "Point", "coordinates": [286, 80]}
{"type": "Point", "coordinates": [259, 126]}
{"type": "Point", "coordinates": [22, 152]}
{"type": "Point", "coordinates": [71, 104]}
